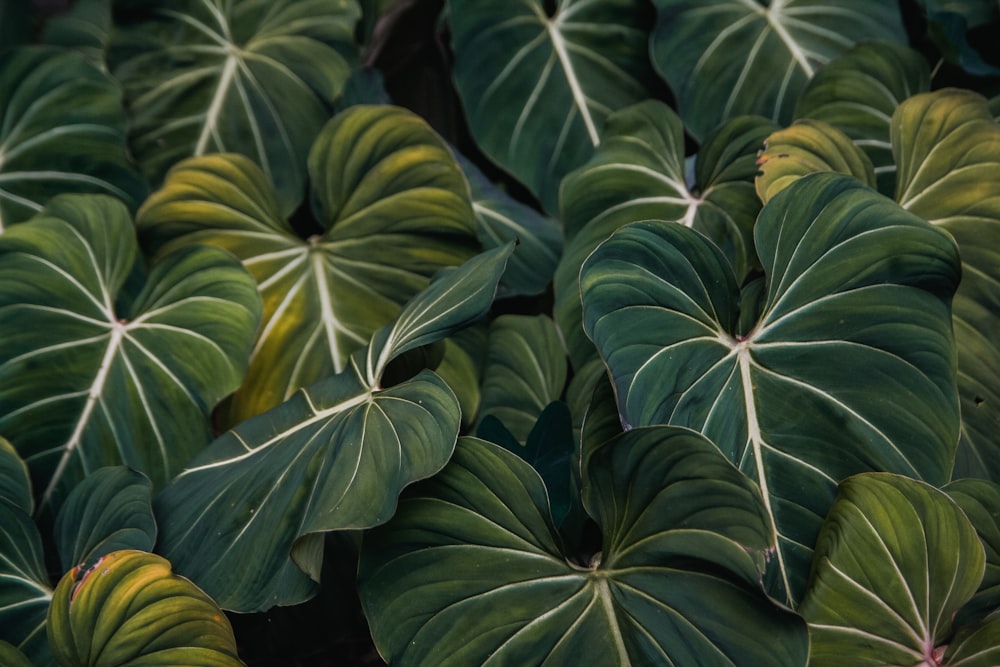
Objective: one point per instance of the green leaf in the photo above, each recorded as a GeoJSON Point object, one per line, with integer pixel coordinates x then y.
{"type": "Point", "coordinates": [638, 173]}
{"type": "Point", "coordinates": [244, 519]}
{"type": "Point", "coordinates": [390, 208]}
{"type": "Point", "coordinates": [807, 147]}
{"type": "Point", "coordinates": [895, 560]}
{"type": "Point", "coordinates": [256, 77]}
{"type": "Point", "coordinates": [949, 23]}
{"type": "Point", "coordinates": [471, 571]}
{"type": "Point", "coordinates": [947, 146]}
{"type": "Point", "coordinates": [129, 609]}
{"type": "Point", "coordinates": [980, 500]}
{"type": "Point", "coordinates": [86, 27]}
{"type": "Point", "coordinates": [725, 58]}
{"type": "Point", "coordinates": [110, 510]}
{"type": "Point", "coordinates": [856, 288]}
{"type": "Point", "coordinates": [24, 585]}
{"type": "Point", "coordinates": [502, 219]}
{"type": "Point", "coordinates": [10, 655]}
{"type": "Point", "coordinates": [62, 129]}
{"type": "Point", "coordinates": [135, 384]}
{"type": "Point", "coordinates": [587, 59]}
{"type": "Point", "coordinates": [975, 646]}
{"type": "Point", "coordinates": [858, 92]}
{"type": "Point", "coordinates": [525, 371]}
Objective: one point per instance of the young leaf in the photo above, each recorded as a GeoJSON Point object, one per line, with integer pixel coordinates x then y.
{"type": "Point", "coordinates": [588, 58]}
{"type": "Point", "coordinates": [390, 208]}
{"type": "Point", "coordinates": [895, 561]}
{"type": "Point", "coordinates": [471, 570]}
{"type": "Point", "coordinates": [130, 609]}
{"type": "Point", "coordinates": [110, 510]}
{"type": "Point", "coordinates": [134, 386]}
{"type": "Point", "coordinates": [62, 129]}
{"type": "Point", "coordinates": [725, 58]}
{"type": "Point", "coordinates": [856, 288]}
{"type": "Point", "coordinates": [256, 77]}
{"type": "Point", "coordinates": [244, 519]}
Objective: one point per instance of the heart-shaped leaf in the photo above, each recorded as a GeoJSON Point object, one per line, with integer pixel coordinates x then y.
{"type": "Point", "coordinates": [390, 208]}
{"type": "Point", "coordinates": [525, 371]}
{"type": "Point", "coordinates": [858, 92]}
{"type": "Point", "coordinates": [135, 383]}
{"type": "Point", "coordinates": [638, 173]}
{"type": "Point", "coordinates": [62, 129]}
{"type": "Point", "coordinates": [110, 510]}
{"type": "Point", "coordinates": [471, 570]}
{"type": "Point", "coordinates": [807, 147]}
{"type": "Point", "coordinates": [895, 561]}
{"type": "Point", "coordinates": [129, 609]}
{"type": "Point", "coordinates": [256, 77]}
{"type": "Point", "coordinates": [244, 521]}
{"type": "Point", "coordinates": [856, 288]}
{"type": "Point", "coordinates": [725, 58]}
{"type": "Point", "coordinates": [587, 59]}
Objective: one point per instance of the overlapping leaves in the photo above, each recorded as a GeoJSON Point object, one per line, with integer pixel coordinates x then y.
{"type": "Point", "coordinates": [855, 288]}
{"type": "Point", "coordinates": [139, 369]}
{"type": "Point", "coordinates": [390, 207]}
{"type": "Point", "coordinates": [471, 570]}
{"type": "Point", "coordinates": [244, 520]}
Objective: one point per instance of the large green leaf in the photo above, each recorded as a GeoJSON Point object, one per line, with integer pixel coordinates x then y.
{"type": "Point", "coordinates": [390, 207]}
{"type": "Point", "coordinates": [858, 92]}
{"type": "Point", "coordinates": [62, 129]}
{"type": "Point", "coordinates": [525, 371]}
{"type": "Point", "coordinates": [256, 77]}
{"type": "Point", "coordinates": [24, 584]}
{"type": "Point", "coordinates": [244, 520]}
{"type": "Point", "coordinates": [980, 500]}
{"type": "Point", "coordinates": [135, 383]}
{"type": "Point", "coordinates": [856, 288]}
{"type": "Point", "coordinates": [536, 88]}
{"type": "Point", "coordinates": [947, 147]}
{"type": "Point", "coordinates": [895, 561]}
{"type": "Point", "coordinates": [724, 58]}
{"type": "Point", "coordinates": [110, 510]}
{"type": "Point", "coordinates": [638, 173]}
{"type": "Point", "coordinates": [129, 609]}
{"type": "Point", "coordinates": [471, 570]}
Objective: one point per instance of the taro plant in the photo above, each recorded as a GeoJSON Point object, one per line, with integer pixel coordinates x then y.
{"type": "Point", "coordinates": [493, 332]}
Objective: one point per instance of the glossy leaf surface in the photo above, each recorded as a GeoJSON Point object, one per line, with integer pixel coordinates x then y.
{"type": "Point", "coordinates": [136, 383]}
{"type": "Point", "coordinates": [390, 207]}
{"type": "Point", "coordinates": [855, 288]}
{"type": "Point", "coordinates": [536, 88]}
{"type": "Point", "coordinates": [471, 570]}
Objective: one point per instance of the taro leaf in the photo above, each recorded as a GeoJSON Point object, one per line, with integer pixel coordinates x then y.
{"type": "Point", "coordinates": [537, 88]}
{"type": "Point", "coordinates": [86, 27]}
{"type": "Point", "coordinates": [949, 23]}
{"type": "Point", "coordinates": [256, 77]}
{"type": "Point", "coordinates": [10, 655]}
{"type": "Point", "coordinates": [62, 129]}
{"type": "Point", "coordinates": [471, 570]}
{"type": "Point", "coordinates": [858, 92]}
{"type": "Point", "coordinates": [980, 500]}
{"type": "Point", "coordinates": [525, 371]}
{"type": "Point", "coordinates": [130, 609]}
{"type": "Point", "coordinates": [110, 510]}
{"type": "Point", "coordinates": [638, 173]}
{"type": "Point", "coordinates": [133, 386]}
{"type": "Point", "coordinates": [24, 585]}
{"type": "Point", "coordinates": [856, 288]}
{"type": "Point", "coordinates": [947, 146]}
{"type": "Point", "coordinates": [391, 207]}
{"type": "Point", "coordinates": [895, 560]}
{"type": "Point", "coordinates": [502, 219]}
{"type": "Point", "coordinates": [244, 521]}
{"type": "Point", "coordinates": [809, 146]}
{"type": "Point", "coordinates": [725, 58]}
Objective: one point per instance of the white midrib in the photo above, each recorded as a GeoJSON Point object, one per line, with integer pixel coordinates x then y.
{"type": "Point", "coordinates": [773, 19]}
{"type": "Point", "coordinates": [93, 396]}
{"type": "Point", "coordinates": [328, 317]}
{"type": "Point", "coordinates": [215, 107]}
{"type": "Point", "coordinates": [756, 441]}
{"type": "Point", "coordinates": [604, 593]}
{"type": "Point", "coordinates": [559, 44]}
